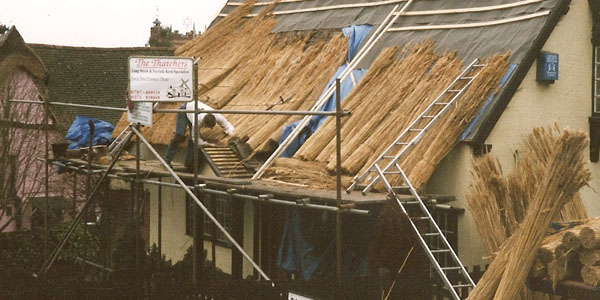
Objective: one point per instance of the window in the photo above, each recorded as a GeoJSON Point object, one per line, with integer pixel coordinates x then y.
{"type": "Point", "coordinates": [220, 207]}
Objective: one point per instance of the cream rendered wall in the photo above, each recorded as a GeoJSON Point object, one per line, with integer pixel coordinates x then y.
{"type": "Point", "coordinates": [174, 240]}
{"type": "Point", "coordinates": [567, 102]}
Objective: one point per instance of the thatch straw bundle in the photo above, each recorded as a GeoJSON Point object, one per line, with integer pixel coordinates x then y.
{"type": "Point", "coordinates": [392, 94]}
{"type": "Point", "coordinates": [245, 67]}
{"type": "Point", "coordinates": [589, 236]}
{"type": "Point", "coordinates": [563, 174]}
{"type": "Point", "coordinates": [311, 174]}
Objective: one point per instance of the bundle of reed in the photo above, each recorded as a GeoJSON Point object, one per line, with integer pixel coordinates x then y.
{"type": "Point", "coordinates": [498, 204]}
{"type": "Point", "coordinates": [315, 144]}
{"type": "Point", "coordinates": [564, 174]}
{"type": "Point", "coordinates": [418, 77]}
{"type": "Point", "coordinates": [311, 174]}
{"type": "Point", "coordinates": [589, 236]}
{"type": "Point", "coordinates": [487, 193]}
{"type": "Point", "coordinates": [375, 101]}
{"type": "Point", "coordinates": [589, 257]}
{"type": "Point", "coordinates": [560, 256]}
{"type": "Point", "coordinates": [409, 107]}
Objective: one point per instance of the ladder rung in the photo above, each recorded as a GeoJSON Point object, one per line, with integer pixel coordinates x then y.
{"type": "Point", "coordinates": [454, 91]}
{"type": "Point", "coordinates": [428, 117]}
{"type": "Point", "coordinates": [410, 202]}
{"type": "Point", "coordinates": [467, 77]}
{"type": "Point", "coordinates": [401, 187]}
{"type": "Point", "coordinates": [402, 143]}
{"type": "Point", "coordinates": [420, 218]}
{"type": "Point", "coordinates": [450, 268]}
{"type": "Point", "coordinates": [440, 251]}
{"type": "Point", "coordinates": [416, 129]}
{"type": "Point", "coordinates": [387, 156]}
{"type": "Point", "coordinates": [479, 65]}
{"type": "Point", "coordinates": [462, 285]}
{"type": "Point", "coordinates": [431, 234]}
{"type": "Point", "coordinates": [392, 172]}
{"type": "Point", "coordinates": [442, 103]}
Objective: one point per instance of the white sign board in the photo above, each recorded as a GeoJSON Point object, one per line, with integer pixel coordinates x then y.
{"type": "Point", "coordinates": [142, 113]}
{"type": "Point", "coordinates": [161, 79]}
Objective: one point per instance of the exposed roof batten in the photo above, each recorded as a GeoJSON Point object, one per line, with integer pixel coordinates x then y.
{"type": "Point", "coordinates": [470, 9]}
{"type": "Point", "coordinates": [380, 3]}
{"type": "Point", "coordinates": [324, 8]}
{"type": "Point", "coordinates": [472, 25]}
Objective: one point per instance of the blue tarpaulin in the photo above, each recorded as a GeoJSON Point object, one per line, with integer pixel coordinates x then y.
{"type": "Point", "coordinates": [78, 134]}
{"type": "Point", "coordinates": [355, 36]}
{"type": "Point", "coordinates": [489, 100]}
{"type": "Point", "coordinates": [308, 242]}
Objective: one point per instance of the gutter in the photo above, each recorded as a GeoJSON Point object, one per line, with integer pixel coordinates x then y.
{"type": "Point", "coordinates": [514, 82]}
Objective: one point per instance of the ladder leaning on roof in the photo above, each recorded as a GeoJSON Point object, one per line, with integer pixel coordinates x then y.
{"type": "Point", "coordinates": [383, 28]}
{"type": "Point", "coordinates": [440, 253]}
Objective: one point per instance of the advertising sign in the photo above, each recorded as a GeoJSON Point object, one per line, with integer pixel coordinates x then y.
{"type": "Point", "coordinates": [141, 112]}
{"type": "Point", "coordinates": [157, 79]}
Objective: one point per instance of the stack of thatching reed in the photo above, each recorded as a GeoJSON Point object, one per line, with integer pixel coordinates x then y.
{"type": "Point", "coordinates": [513, 213]}
{"type": "Point", "coordinates": [252, 69]}
{"type": "Point", "coordinates": [306, 173]}
{"type": "Point", "coordinates": [390, 96]}
{"type": "Point", "coordinates": [572, 253]}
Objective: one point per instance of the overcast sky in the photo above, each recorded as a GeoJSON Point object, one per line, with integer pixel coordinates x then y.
{"type": "Point", "coordinates": [103, 23]}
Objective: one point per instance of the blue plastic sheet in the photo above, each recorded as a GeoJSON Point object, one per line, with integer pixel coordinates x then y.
{"type": "Point", "coordinates": [79, 133]}
{"type": "Point", "coordinates": [308, 242]}
{"type": "Point", "coordinates": [355, 35]}
{"type": "Point", "coordinates": [489, 100]}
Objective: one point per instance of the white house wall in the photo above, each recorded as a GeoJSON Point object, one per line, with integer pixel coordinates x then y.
{"type": "Point", "coordinates": [567, 103]}
{"type": "Point", "coordinates": [174, 240]}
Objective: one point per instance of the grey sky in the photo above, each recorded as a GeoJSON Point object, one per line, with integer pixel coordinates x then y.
{"type": "Point", "coordinates": [103, 23]}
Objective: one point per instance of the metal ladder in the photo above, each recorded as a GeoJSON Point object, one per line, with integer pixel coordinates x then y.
{"type": "Point", "coordinates": [227, 162]}
{"type": "Point", "coordinates": [118, 142]}
{"type": "Point", "coordinates": [415, 131]}
{"type": "Point", "coordinates": [439, 251]}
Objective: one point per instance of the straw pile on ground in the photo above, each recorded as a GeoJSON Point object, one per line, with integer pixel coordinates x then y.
{"type": "Point", "coordinates": [391, 95]}
{"type": "Point", "coordinates": [573, 253]}
{"type": "Point", "coordinates": [549, 177]}
{"type": "Point", "coordinates": [245, 67]}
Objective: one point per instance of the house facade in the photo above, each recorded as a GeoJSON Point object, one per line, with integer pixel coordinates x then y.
{"type": "Point", "coordinates": [23, 133]}
{"type": "Point", "coordinates": [567, 102]}
{"type": "Point", "coordinates": [299, 57]}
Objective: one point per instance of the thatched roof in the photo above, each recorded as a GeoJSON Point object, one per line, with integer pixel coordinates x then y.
{"type": "Point", "coordinates": [15, 53]}
{"type": "Point", "coordinates": [251, 62]}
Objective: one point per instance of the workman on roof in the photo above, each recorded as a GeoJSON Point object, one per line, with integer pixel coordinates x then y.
{"type": "Point", "coordinates": [187, 120]}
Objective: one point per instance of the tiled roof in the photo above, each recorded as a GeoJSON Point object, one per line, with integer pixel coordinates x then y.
{"type": "Point", "coordinates": [93, 76]}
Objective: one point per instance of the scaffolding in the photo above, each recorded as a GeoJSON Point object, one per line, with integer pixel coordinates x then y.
{"type": "Point", "coordinates": [136, 181]}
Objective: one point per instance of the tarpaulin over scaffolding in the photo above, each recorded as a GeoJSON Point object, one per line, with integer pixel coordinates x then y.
{"type": "Point", "coordinates": [78, 134]}
{"type": "Point", "coordinates": [309, 248]}
{"type": "Point", "coordinates": [356, 35]}
{"type": "Point", "coordinates": [308, 242]}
